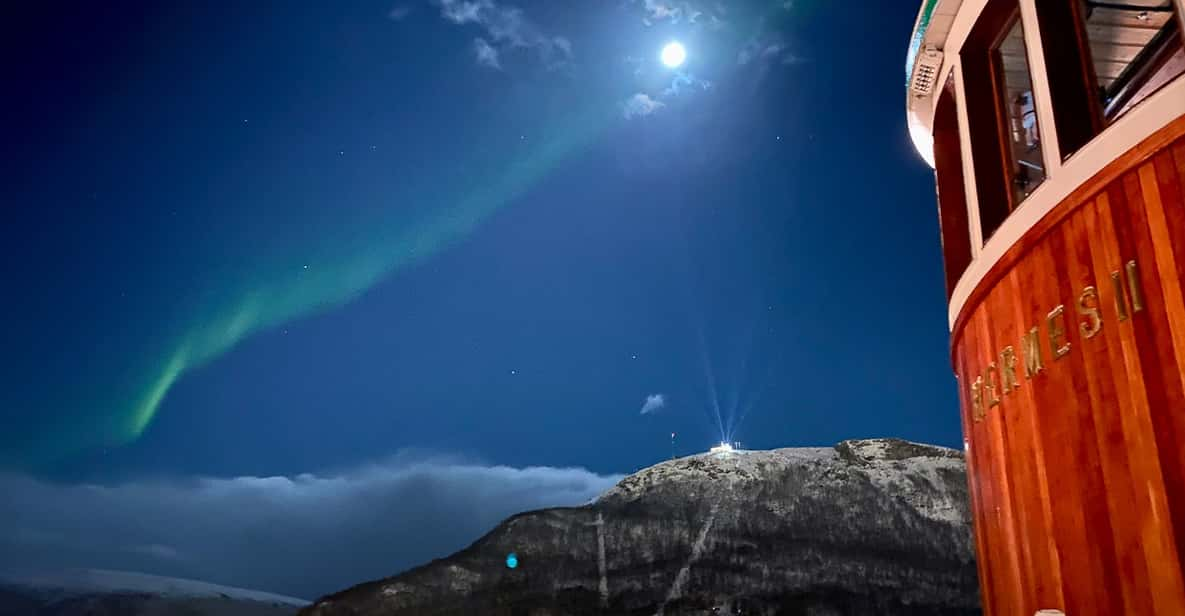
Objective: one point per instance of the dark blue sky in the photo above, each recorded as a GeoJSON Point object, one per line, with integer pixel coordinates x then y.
{"type": "Point", "coordinates": [273, 238]}
{"type": "Point", "coordinates": [162, 164]}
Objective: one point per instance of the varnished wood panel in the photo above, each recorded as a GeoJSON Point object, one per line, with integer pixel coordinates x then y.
{"type": "Point", "coordinates": [1078, 472]}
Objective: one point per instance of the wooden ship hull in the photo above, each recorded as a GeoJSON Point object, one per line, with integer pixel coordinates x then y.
{"type": "Point", "coordinates": [1070, 357]}
{"type": "Point", "coordinates": [1067, 291]}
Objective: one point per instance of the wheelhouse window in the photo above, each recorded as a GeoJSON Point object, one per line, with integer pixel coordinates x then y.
{"type": "Point", "coordinates": [1027, 165]}
{"type": "Point", "coordinates": [1104, 57]}
{"type": "Point", "coordinates": [1135, 49]}
{"type": "Point", "coordinates": [1002, 113]}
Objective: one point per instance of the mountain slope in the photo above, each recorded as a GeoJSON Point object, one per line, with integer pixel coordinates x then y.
{"type": "Point", "coordinates": [866, 527]}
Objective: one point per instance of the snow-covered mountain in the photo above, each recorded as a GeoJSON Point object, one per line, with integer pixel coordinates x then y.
{"type": "Point", "coordinates": [98, 592]}
{"type": "Point", "coordinates": [866, 527]}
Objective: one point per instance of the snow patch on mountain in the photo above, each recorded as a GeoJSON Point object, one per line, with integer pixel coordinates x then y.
{"type": "Point", "coordinates": [731, 467]}
{"type": "Point", "coordinates": [915, 472]}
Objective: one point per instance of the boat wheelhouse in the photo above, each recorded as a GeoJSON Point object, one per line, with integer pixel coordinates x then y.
{"type": "Point", "coordinates": [1056, 129]}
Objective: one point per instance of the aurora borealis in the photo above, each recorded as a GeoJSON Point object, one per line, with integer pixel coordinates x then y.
{"type": "Point", "coordinates": [378, 274]}
{"type": "Point", "coordinates": [305, 292]}
{"type": "Point", "coordinates": [339, 274]}
{"type": "Point", "coordinates": [233, 244]}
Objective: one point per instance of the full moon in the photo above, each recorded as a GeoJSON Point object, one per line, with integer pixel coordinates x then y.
{"type": "Point", "coordinates": [673, 54]}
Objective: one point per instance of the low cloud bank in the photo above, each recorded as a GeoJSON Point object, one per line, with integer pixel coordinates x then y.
{"type": "Point", "coordinates": [303, 536]}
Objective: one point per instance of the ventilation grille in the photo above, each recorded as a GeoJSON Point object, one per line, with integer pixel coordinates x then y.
{"type": "Point", "coordinates": [926, 72]}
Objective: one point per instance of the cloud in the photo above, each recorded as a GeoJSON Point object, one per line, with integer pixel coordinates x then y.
{"type": "Point", "coordinates": [756, 50]}
{"type": "Point", "coordinates": [302, 536]}
{"type": "Point", "coordinates": [460, 12]}
{"type": "Point", "coordinates": [399, 12]}
{"type": "Point", "coordinates": [767, 46]}
{"type": "Point", "coordinates": [659, 10]}
{"type": "Point", "coordinates": [640, 105]}
{"type": "Point", "coordinates": [682, 81]}
{"type": "Point", "coordinates": [762, 55]}
{"type": "Point", "coordinates": [486, 54]}
{"type": "Point", "coordinates": [637, 64]}
{"type": "Point", "coordinates": [506, 28]}
{"type": "Point", "coordinates": [563, 45]}
{"type": "Point", "coordinates": [688, 11]}
{"type": "Point", "coordinates": [653, 403]}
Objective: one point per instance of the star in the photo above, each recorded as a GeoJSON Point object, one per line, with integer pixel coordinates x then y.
{"type": "Point", "coordinates": [514, 372]}
{"type": "Point", "coordinates": [634, 356]}
{"type": "Point", "coordinates": [306, 266]}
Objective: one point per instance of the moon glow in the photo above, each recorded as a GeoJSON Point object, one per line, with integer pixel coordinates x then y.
{"type": "Point", "coordinates": [673, 54]}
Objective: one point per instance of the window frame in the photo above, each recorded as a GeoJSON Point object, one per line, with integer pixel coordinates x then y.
{"type": "Point", "coordinates": [954, 211]}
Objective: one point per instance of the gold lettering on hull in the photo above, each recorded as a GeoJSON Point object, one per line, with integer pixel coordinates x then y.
{"type": "Point", "coordinates": [1031, 350]}
{"type": "Point", "coordinates": [1008, 370]}
{"type": "Point", "coordinates": [996, 377]}
{"type": "Point", "coordinates": [1088, 307]}
{"type": "Point", "coordinates": [1133, 281]}
{"type": "Point", "coordinates": [977, 399]}
{"type": "Point", "coordinates": [989, 386]}
{"type": "Point", "coordinates": [1056, 324]}
{"type": "Point", "coordinates": [1120, 298]}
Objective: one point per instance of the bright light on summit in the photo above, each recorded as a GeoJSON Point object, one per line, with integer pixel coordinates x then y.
{"type": "Point", "coordinates": [721, 448]}
{"type": "Point", "coordinates": [673, 54]}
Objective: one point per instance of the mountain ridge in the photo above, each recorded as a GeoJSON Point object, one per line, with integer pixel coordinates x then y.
{"type": "Point", "coordinates": [871, 526]}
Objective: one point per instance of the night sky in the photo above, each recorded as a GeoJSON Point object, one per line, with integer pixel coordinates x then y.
{"type": "Point", "coordinates": [366, 277]}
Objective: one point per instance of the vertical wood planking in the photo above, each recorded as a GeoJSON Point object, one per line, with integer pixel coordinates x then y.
{"type": "Point", "coordinates": [1169, 419]}
{"type": "Point", "coordinates": [1077, 476]}
{"type": "Point", "coordinates": [1116, 413]}
{"type": "Point", "coordinates": [1004, 478]}
{"type": "Point", "coordinates": [1026, 502]}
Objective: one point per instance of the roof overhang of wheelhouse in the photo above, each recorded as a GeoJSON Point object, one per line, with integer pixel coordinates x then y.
{"type": "Point", "coordinates": [925, 67]}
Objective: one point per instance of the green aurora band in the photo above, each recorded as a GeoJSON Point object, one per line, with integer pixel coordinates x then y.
{"type": "Point", "coordinates": [379, 251]}
{"type": "Point", "coordinates": [107, 398]}
{"type": "Point", "coordinates": [310, 292]}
